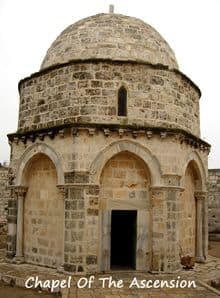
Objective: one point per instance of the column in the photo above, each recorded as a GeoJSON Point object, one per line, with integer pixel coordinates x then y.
{"type": "Point", "coordinates": [20, 192]}
{"type": "Point", "coordinates": [63, 195]}
{"type": "Point", "coordinates": [205, 226]}
{"type": "Point", "coordinates": [12, 227]}
{"type": "Point", "coordinates": [199, 196]}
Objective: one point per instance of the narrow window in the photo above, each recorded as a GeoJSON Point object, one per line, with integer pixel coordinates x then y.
{"type": "Point", "coordinates": [122, 102]}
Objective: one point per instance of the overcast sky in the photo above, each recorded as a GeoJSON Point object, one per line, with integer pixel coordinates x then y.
{"type": "Point", "coordinates": [191, 27]}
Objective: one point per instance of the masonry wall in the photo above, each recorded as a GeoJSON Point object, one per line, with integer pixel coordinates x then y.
{"type": "Point", "coordinates": [82, 205]}
{"type": "Point", "coordinates": [188, 215]}
{"type": "Point", "coordinates": [81, 149]}
{"type": "Point", "coordinates": [214, 204]}
{"type": "Point", "coordinates": [87, 93]}
{"type": "Point", "coordinates": [4, 195]}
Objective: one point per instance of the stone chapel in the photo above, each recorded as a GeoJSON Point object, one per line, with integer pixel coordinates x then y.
{"type": "Point", "coordinates": [108, 170]}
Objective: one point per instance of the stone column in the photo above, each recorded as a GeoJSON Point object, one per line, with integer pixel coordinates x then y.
{"type": "Point", "coordinates": [63, 195]}
{"type": "Point", "coordinates": [20, 192]}
{"type": "Point", "coordinates": [105, 241]}
{"type": "Point", "coordinates": [205, 226]}
{"type": "Point", "coordinates": [12, 223]}
{"type": "Point", "coordinates": [199, 196]}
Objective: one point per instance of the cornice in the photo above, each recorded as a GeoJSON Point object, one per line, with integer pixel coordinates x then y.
{"type": "Point", "coordinates": [108, 129]}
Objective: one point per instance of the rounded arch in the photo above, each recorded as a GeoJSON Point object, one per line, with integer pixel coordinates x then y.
{"type": "Point", "coordinates": [31, 152]}
{"type": "Point", "coordinates": [195, 160]}
{"type": "Point", "coordinates": [126, 146]}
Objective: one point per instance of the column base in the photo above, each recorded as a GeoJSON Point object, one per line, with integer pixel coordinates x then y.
{"type": "Point", "coordinates": [10, 255]}
{"type": "Point", "coordinates": [200, 259]}
{"type": "Point", "coordinates": [18, 259]}
{"type": "Point", "coordinates": [60, 269]}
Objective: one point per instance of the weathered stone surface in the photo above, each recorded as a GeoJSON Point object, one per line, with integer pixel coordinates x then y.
{"type": "Point", "coordinates": [4, 196]}
{"type": "Point", "coordinates": [82, 101]}
{"type": "Point", "coordinates": [214, 204]}
{"type": "Point", "coordinates": [110, 36]}
{"type": "Point", "coordinates": [91, 260]}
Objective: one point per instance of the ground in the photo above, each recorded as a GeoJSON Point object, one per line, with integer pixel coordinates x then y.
{"type": "Point", "coordinates": [203, 274]}
{"type": "Point", "coordinates": [12, 292]}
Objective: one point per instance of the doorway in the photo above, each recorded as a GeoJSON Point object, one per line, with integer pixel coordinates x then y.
{"type": "Point", "coordinates": [123, 239]}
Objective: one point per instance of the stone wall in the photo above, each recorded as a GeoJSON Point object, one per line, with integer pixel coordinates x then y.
{"type": "Point", "coordinates": [79, 156]}
{"type": "Point", "coordinates": [82, 148]}
{"type": "Point", "coordinates": [188, 214]}
{"type": "Point", "coordinates": [214, 204]}
{"type": "Point", "coordinates": [124, 177]}
{"type": "Point", "coordinates": [87, 93]}
{"type": "Point", "coordinates": [4, 195]}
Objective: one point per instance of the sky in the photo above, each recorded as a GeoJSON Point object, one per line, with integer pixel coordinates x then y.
{"type": "Point", "coordinates": [191, 27]}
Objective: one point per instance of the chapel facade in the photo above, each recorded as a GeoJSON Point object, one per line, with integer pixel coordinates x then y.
{"type": "Point", "coordinates": [107, 167]}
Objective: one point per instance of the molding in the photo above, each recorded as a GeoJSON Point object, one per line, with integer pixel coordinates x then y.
{"type": "Point", "coordinates": [107, 129]}
{"type": "Point", "coordinates": [167, 187]}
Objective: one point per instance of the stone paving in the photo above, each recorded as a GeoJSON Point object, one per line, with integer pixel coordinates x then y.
{"type": "Point", "coordinates": [202, 274]}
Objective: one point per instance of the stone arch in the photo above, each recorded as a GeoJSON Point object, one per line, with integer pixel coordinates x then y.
{"type": "Point", "coordinates": [124, 190]}
{"type": "Point", "coordinates": [196, 162]}
{"type": "Point", "coordinates": [43, 213]}
{"type": "Point", "coordinates": [192, 206]}
{"type": "Point", "coordinates": [126, 146]}
{"type": "Point", "coordinates": [31, 152]}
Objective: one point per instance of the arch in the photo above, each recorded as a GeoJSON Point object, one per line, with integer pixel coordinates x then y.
{"type": "Point", "coordinates": [194, 159]}
{"type": "Point", "coordinates": [31, 152]}
{"type": "Point", "coordinates": [125, 191]}
{"type": "Point", "coordinates": [43, 213]}
{"type": "Point", "coordinates": [122, 101]}
{"type": "Point", "coordinates": [127, 146]}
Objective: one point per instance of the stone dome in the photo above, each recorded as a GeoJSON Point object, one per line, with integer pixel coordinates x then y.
{"type": "Point", "coordinates": [110, 36]}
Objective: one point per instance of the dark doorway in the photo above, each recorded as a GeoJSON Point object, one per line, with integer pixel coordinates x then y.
{"type": "Point", "coordinates": [123, 239]}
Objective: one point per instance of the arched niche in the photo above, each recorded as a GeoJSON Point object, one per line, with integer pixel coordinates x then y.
{"type": "Point", "coordinates": [124, 201]}
{"type": "Point", "coordinates": [30, 153]}
{"type": "Point", "coordinates": [43, 215]}
{"type": "Point", "coordinates": [193, 209]}
{"type": "Point", "coordinates": [194, 160]}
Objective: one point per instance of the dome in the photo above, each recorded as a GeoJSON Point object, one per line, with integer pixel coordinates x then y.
{"type": "Point", "coordinates": [110, 36]}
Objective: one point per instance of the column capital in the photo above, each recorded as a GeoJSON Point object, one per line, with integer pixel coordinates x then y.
{"type": "Point", "coordinates": [19, 191]}
{"type": "Point", "coordinates": [200, 195]}
{"type": "Point", "coordinates": [63, 190]}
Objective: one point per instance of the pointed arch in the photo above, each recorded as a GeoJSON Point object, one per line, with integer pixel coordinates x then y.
{"type": "Point", "coordinates": [126, 146]}
{"type": "Point", "coordinates": [31, 152]}
{"type": "Point", "coordinates": [195, 160]}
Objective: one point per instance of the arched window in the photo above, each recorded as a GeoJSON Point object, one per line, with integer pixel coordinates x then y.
{"type": "Point", "coordinates": [122, 101]}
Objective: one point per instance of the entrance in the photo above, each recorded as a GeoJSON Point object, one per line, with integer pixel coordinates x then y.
{"type": "Point", "coordinates": [123, 239]}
